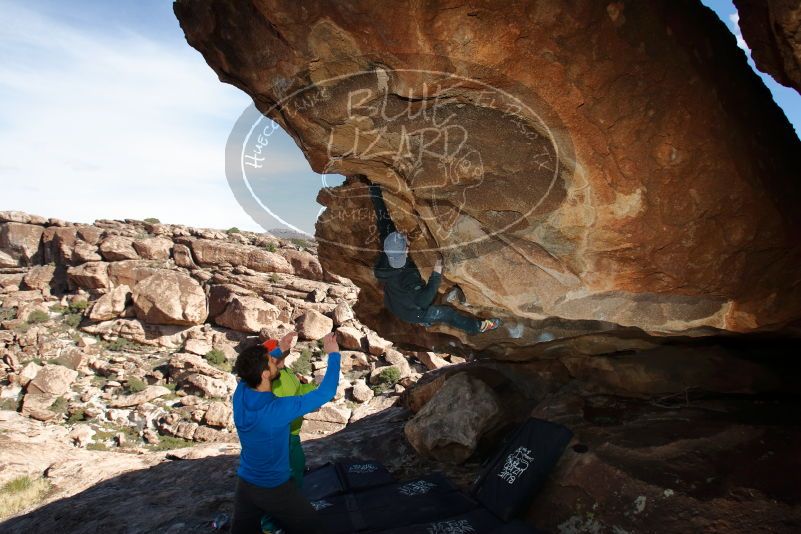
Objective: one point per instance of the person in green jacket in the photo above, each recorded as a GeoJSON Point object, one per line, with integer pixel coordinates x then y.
{"type": "Point", "coordinates": [287, 384]}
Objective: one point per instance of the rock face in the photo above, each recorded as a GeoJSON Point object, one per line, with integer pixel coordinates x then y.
{"type": "Point", "coordinates": [20, 243]}
{"type": "Point", "coordinates": [772, 29]}
{"type": "Point", "coordinates": [213, 252]}
{"type": "Point", "coordinates": [170, 298]}
{"type": "Point", "coordinates": [585, 169]}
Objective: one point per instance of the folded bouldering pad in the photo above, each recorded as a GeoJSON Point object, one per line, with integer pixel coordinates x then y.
{"type": "Point", "coordinates": [520, 469]}
{"type": "Point", "coordinates": [340, 477]}
{"type": "Point", "coordinates": [393, 505]}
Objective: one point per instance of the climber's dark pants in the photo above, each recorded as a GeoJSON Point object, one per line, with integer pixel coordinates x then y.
{"type": "Point", "coordinates": [449, 316]}
{"type": "Point", "coordinates": [384, 222]}
{"type": "Point", "coordinates": [285, 503]}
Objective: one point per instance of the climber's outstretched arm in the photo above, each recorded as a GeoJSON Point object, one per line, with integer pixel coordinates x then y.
{"type": "Point", "coordinates": [384, 221]}
{"type": "Point", "coordinates": [426, 297]}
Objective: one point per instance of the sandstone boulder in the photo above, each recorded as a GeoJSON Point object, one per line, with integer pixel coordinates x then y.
{"type": "Point", "coordinates": [83, 252]}
{"type": "Point", "coordinates": [22, 242]}
{"type": "Point", "coordinates": [304, 264]}
{"type": "Point", "coordinates": [342, 313]}
{"type": "Point", "coordinates": [28, 373]}
{"type": "Point", "coordinates": [376, 344]}
{"type": "Point", "coordinates": [58, 244]}
{"type": "Point", "coordinates": [208, 252]}
{"type": "Point", "coordinates": [116, 248]}
{"type": "Point", "coordinates": [40, 277]}
{"type": "Point", "coordinates": [313, 325]}
{"type": "Point", "coordinates": [6, 260]}
{"type": "Point", "coordinates": [450, 424]}
{"type": "Point", "coordinates": [111, 305]}
{"type": "Point", "coordinates": [129, 272]}
{"type": "Point", "coordinates": [247, 314]}
{"type": "Point", "coordinates": [183, 256]}
{"type": "Point", "coordinates": [349, 338]}
{"type": "Point", "coordinates": [331, 413]}
{"type": "Point", "coordinates": [206, 385]}
{"type": "Point", "coordinates": [219, 414]}
{"type": "Point", "coordinates": [170, 298]}
{"type": "Point", "coordinates": [362, 392]}
{"type": "Point", "coordinates": [50, 383]}
{"type": "Point", "coordinates": [183, 363]}
{"type": "Point", "coordinates": [92, 275]}
{"type": "Point", "coordinates": [153, 248]}
{"type": "Point", "coordinates": [140, 397]}
{"type": "Point", "coordinates": [432, 360]}
{"type": "Point", "coordinates": [354, 360]}
{"type": "Point", "coordinates": [221, 294]}
{"type": "Point", "coordinates": [200, 347]}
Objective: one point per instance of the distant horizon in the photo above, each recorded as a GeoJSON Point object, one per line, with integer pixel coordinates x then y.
{"type": "Point", "coordinates": [109, 111]}
{"type": "Point", "coordinates": [272, 231]}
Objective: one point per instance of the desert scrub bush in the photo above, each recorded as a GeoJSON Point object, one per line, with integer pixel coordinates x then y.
{"type": "Point", "coordinates": [275, 279]}
{"type": "Point", "coordinates": [58, 308]}
{"type": "Point", "coordinates": [97, 446]}
{"type": "Point", "coordinates": [121, 344]}
{"type": "Point", "coordinates": [271, 247]}
{"type": "Point", "coordinates": [98, 381]}
{"type": "Point", "coordinates": [135, 385]}
{"type": "Point", "coordinates": [303, 364]}
{"type": "Point", "coordinates": [20, 493]}
{"type": "Point", "coordinates": [73, 319]}
{"type": "Point", "coordinates": [167, 443]}
{"type": "Point", "coordinates": [78, 306]}
{"type": "Point", "coordinates": [38, 316]}
{"type": "Point", "coordinates": [9, 404]}
{"type": "Point", "coordinates": [233, 230]}
{"type": "Point", "coordinates": [22, 328]}
{"type": "Point", "coordinates": [77, 416]}
{"type": "Point", "coordinates": [7, 314]}
{"type": "Point", "coordinates": [389, 376]}
{"type": "Point", "coordinates": [217, 358]}
{"type": "Point", "coordinates": [300, 243]}
{"type": "Point", "coordinates": [152, 220]}
{"type": "Point", "coordinates": [59, 405]}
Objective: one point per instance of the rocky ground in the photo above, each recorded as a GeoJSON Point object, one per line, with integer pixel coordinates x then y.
{"type": "Point", "coordinates": [119, 337]}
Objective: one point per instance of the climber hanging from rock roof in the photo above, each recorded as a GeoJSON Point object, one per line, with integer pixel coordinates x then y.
{"type": "Point", "coordinates": [406, 294]}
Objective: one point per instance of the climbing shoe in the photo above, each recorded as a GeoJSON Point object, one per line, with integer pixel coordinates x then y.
{"type": "Point", "coordinates": [489, 324]}
{"type": "Point", "coordinates": [454, 295]}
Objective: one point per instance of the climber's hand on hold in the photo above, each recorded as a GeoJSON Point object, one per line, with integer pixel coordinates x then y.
{"type": "Point", "coordinates": [287, 341]}
{"type": "Point", "coordinates": [438, 265]}
{"type": "Point", "coordinates": [330, 343]}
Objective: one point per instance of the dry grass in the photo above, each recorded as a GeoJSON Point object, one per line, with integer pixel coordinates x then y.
{"type": "Point", "coordinates": [21, 493]}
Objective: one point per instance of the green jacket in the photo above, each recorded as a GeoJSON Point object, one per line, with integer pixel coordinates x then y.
{"type": "Point", "coordinates": [288, 385]}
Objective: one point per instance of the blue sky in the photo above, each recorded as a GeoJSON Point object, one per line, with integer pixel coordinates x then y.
{"type": "Point", "coordinates": [108, 113]}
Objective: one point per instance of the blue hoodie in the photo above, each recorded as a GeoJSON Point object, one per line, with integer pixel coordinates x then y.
{"type": "Point", "coordinates": [262, 422]}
